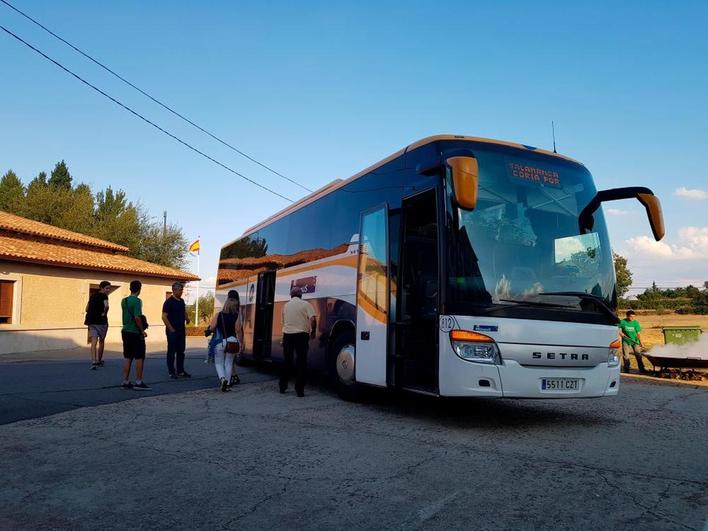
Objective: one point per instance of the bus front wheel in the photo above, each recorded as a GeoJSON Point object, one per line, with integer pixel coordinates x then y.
{"type": "Point", "coordinates": [343, 359]}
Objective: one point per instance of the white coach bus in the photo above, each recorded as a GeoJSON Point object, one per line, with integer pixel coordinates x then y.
{"type": "Point", "coordinates": [458, 266]}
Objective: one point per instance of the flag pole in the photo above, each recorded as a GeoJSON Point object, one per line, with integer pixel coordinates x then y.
{"type": "Point", "coordinates": [196, 309]}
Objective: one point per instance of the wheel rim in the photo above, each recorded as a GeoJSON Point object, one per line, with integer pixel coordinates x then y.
{"type": "Point", "coordinates": [345, 364]}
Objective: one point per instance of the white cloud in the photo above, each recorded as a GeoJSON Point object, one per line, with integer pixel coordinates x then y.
{"type": "Point", "coordinates": [647, 245]}
{"type": "Point", "coordinates": [566, 247]}
{"type": "Point", "coordinates": [692, 245]}
{"type": "Point", "coordinates": [695, 194]}
{"type": "Point", "coordinates": [617, 212]}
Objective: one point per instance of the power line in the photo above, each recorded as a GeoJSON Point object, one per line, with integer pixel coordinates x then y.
{"type": "Point", "coordinates": [142, 117]}
{"type": "Point", "coordinates": [163, 105]}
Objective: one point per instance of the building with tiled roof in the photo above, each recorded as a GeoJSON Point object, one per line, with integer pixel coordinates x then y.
{"type": "Point", "coordinates": [47, 275]}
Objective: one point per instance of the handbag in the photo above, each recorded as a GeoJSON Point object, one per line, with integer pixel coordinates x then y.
{"type": "Point", "coordinates": [232, 345]}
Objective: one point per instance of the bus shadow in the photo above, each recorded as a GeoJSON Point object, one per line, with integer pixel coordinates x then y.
{"type": "Point", "coordinates": [470, 412]}
{"type": "Point", "coordinates": [488, 412]}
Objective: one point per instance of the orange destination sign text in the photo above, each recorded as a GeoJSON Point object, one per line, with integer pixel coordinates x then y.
{"type": "Point", "coordinates": [532, 174]}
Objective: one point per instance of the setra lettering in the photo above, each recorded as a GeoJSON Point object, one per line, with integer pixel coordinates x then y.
{"type": "Point", "coordinates": [562, 355]}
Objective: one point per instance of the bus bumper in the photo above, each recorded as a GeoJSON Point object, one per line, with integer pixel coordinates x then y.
{"type": "Point", "coordinates": [527, 382]}
{"type": "Point", "coordinates": [513, 380]}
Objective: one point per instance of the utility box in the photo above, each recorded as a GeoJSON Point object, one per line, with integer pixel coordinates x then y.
{"type": "Point", "coordinates": [678, 335]}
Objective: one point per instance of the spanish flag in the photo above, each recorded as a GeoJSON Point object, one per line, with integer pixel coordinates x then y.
{"type": "Point", "coordinates": [194, 248]}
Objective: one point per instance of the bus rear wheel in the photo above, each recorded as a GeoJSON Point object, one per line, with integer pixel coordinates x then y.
{"type": "Point", "coordinates": [343, 359]}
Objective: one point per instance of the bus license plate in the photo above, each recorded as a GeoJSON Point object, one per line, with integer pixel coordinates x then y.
{"type": "Point", "coordinates": [560, 384]}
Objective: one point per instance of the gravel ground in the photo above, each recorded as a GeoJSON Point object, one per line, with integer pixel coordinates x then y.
{"type": "Point", "coordinates": [255, 459]}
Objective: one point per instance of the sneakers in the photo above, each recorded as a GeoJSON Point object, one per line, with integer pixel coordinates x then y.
{"type": "Point", "coordinates": [184, 374]}
{"type": "Point", "coordinates": [126, 385]}
{"type": "Point", "coordinates": [142, 386]}
{"type": "Point", "coordinates": [235, 380]}
{"type": "Point", "coordinates": [173, 376]}
{"type": "Point", "coordinates": [94, 366]}
{"type": "Point", "coordinates": [224, 385]}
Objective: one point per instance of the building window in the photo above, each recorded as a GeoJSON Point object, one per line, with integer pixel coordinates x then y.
{"type": "Point", "coordinates": [6, 299]}
{"type": "Point", "coordinates": [93, 289]}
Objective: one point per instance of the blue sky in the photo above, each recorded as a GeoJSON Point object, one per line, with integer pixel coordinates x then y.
{"type": "Point", "coordinates": [320, 90]}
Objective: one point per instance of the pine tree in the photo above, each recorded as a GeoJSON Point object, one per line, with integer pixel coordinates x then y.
{"type": "Point", "coordinates": [38, 200]}
{"type": "Point", "coordinates": [78, 214]}
{"type": "Point", "coordinates": [61, 178]}
{"type": "Point", "coordinates": [12, 192]}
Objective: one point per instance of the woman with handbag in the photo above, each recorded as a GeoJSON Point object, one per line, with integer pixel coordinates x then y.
{"type": "Point", "coordinates": [228, 328]}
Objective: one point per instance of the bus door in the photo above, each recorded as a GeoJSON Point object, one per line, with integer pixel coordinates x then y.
{"type": "Point", "coordinates": [372, 298]}
{"type": "Point", "coordinates": [248, 307]}
{"type": "Point", "coordinates": [263, 326]}
{"type": "Point", "coordinates": [415, 356]}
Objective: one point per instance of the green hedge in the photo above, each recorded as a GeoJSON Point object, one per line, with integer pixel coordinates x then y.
{"type": "Point", "coordinates": [682, 305]}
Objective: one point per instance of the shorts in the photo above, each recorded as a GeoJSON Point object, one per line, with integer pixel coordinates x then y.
{"type": "Point", "coordinates": [133, 346]}
{"type": "Point", "coordinates": [98, 330]}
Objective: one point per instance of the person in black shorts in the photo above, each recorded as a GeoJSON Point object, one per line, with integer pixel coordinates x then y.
{"type": "Point", "coordinates": [97, 322]}
{"type": "Point", "coordinates": [134, 336]}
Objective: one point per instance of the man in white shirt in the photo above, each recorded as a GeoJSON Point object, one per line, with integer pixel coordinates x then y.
{"type": "Point", "coordinates": [299, 325]}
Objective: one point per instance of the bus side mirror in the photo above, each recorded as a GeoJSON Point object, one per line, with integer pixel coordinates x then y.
{"type": "Point", "coordinates": [644, 195]}
{"type": "Point", "coordinates": [656, 217]}
{"type": "Point", "coordinates": [465, 180]}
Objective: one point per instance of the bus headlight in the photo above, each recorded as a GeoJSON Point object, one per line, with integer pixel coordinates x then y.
{"type": "Point", "coordinates": [472, 346]}
{"type": "Point", "coordinates": [613, 357]}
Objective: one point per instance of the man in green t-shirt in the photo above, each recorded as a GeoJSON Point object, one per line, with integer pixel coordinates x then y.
{"type": "Point", "coordinates": [134, 336]}
{"type": "Point", "coordinates": [631, 341]}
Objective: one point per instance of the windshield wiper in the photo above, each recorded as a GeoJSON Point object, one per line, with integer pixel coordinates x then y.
{"type": "Point", "coordinates": [587, 297]}
{"type": "Point", "coordinates": [535, 303]}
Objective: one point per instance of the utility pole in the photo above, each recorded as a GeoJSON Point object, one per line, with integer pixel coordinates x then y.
{"type": "Point", "coordinates": [164, 225]}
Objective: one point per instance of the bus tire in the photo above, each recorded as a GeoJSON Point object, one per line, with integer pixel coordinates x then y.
{"type": "Point", "coordinates": [342, 361]}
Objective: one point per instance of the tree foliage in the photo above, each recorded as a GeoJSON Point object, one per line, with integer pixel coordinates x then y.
{"type": "Point", "coordinates": [161, 245]}
{"type": "Point", "coordinates": [624, 275]}
{"type": "Point", "coordinates": [682, 300]}
{"type": "Point", "coordinates": [11, 192]}
{"type": "Point", "coordinates": [106, 214]}
{"type": "Point", "coordinates": [117, 220]}
{"type": "Point", "coordinates": [61, 178]}
{"type": "Point", "coordinates": [206, 309]}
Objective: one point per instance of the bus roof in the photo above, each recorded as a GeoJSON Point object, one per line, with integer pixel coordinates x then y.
{"type": "Point", "coordinates": [338, 183]}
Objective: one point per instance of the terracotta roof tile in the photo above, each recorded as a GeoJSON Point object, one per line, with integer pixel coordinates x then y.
{"type": "Point", "coordinates": [12, 223]}
{"type": "Point", "coordinates": [24, 250]}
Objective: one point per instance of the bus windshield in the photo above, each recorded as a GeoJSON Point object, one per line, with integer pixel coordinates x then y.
{"type": "Point", "coordinates": [521, 247]}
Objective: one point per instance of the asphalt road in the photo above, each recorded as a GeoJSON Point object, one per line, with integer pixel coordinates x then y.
{"type": "Point", "coordinates": [255, 459]}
